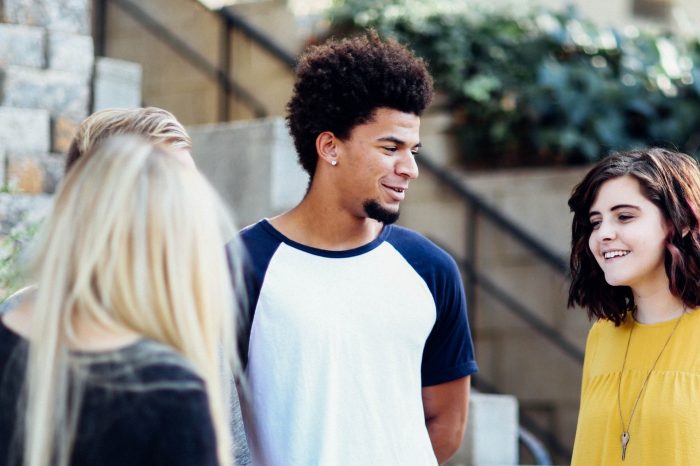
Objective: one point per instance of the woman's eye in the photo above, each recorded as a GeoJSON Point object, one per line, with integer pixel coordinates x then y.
{"type": "Point", "coordinates": [624, 217]}
{"type": "Point", "coordinates": [594, 224]}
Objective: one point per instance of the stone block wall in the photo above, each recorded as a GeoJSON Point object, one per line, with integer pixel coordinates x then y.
{"type": "Point", "coordinates": [46, 68]}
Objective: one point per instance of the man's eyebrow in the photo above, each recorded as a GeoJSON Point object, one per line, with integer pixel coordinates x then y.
{"type": "Point", "coordinates": [396, 140]}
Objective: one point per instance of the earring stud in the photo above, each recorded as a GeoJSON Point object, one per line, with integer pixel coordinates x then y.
{"type": "Point", "coordinates": [334, 162]}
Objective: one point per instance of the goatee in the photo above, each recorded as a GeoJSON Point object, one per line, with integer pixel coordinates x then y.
{"type": "Point", "coordinates": [379, 213]}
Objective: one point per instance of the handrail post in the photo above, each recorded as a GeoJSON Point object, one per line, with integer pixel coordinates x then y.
{"type": "Point", "coordinates": [100, 26]}
{"type": "Point", "coordinates": [225, 67]}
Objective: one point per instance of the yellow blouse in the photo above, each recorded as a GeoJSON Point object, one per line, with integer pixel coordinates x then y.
{"type": "Point", "coordinates": [665, 429]}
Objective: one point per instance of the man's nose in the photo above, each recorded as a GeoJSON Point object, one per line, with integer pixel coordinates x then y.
{"type": "Point", "coordinates": [408, 167]}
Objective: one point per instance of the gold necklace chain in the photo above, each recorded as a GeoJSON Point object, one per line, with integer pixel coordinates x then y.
{"type": "Point", "coordinates": [625, 437]}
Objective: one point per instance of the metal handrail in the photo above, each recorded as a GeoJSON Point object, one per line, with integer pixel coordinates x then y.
{"type": "Point", "coordinates": [475, 201]}
{"type": "Point", "coordinates": [527, 423]}
{"type": "Point", "coordinates": [515, 307]}
{"type": "Point", "coordinates": [234, 19]}
{"type": "Point", "coordinates": [536, 447]}
{"type": "Point", "coordinates": [195, 58]}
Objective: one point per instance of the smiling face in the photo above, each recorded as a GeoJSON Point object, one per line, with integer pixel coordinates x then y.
{"type": "Point", "coordinates": [628, 237]}
{"type": "Point", "coordinates": [376, 164]}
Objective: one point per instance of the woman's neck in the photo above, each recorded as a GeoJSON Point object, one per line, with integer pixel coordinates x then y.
{"type": "Point", "coordinates": [89, 335]}
{"type": "Point", "coordinates": [659, 306]}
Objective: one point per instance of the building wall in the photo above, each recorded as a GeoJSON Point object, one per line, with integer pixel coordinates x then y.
{"type": "Point", "coordinates": [172, 82]}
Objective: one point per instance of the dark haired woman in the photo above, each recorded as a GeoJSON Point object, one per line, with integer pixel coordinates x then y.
{"type": "Point", "coordinates": [635, 265]}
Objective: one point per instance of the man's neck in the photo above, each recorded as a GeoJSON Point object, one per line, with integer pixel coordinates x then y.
{"type": "Point", "coordinates": [323, 225]}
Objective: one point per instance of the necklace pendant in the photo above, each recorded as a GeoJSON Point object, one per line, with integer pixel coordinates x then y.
{"type": "Point", "coordinates": [624, 440]}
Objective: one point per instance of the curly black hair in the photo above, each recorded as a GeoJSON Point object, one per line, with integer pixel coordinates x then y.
{"type": "Point", "coordinates": [670, 180]}
{"type": "Point", "coordinates": [341, 83]}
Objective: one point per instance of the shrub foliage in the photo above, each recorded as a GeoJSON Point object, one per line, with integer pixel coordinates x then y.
{"type": "Point", "coordinates": [537, 86]}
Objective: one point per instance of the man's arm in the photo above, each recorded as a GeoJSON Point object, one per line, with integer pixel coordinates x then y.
{"type": "Point", "coordinates": [445, 407]}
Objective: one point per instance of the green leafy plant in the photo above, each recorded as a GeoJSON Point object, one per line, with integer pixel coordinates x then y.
{"type": "Point", "coordinates": [534, 86]}
{"type": "Point", "coordinates": [12, 248]}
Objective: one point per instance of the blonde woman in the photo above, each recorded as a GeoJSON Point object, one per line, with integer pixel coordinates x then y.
{"type": "Point", "coordinates": [158, 126]}
{"type": "Point", "coordinates": [117, 359]}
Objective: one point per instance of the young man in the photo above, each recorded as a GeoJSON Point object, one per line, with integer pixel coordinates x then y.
{"type": "Point", "coordinates": [359, 351]}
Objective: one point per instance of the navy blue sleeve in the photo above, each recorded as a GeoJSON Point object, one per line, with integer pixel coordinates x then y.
{"type": "Point", "coordinates": [259, 245]}
{"type": "Point", "coordinates": [449, 351]}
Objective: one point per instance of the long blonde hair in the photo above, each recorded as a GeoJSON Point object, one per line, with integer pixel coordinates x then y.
{"type": "Point", "coordinates": [135, 241]}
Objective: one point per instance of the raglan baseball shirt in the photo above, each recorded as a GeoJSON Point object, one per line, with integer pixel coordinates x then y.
{"type": "Point", "coordinates": [341, 343]}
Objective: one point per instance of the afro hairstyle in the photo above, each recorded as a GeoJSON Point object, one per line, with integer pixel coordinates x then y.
{"type": "Point", "coordinates": [341, 83]}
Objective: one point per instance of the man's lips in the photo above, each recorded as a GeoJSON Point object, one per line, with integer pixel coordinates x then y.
{"type": "Point", "coordinates": [395, 191]}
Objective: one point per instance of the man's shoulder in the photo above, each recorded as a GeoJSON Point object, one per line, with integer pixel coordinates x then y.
{"type": "Point", "coordinates": [259, 238]}
{"type": "Point", "coordinates": [416, 248]}
{"type": "Point", "coordinates": [254, 231]}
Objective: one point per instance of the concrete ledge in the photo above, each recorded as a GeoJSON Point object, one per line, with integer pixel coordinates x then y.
{"type": "Point", "coordinates": [492, 432]}
{"type": "Point", "coordinates": [253, 166]}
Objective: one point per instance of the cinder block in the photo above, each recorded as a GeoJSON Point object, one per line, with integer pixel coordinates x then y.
{"type": "Point", "coordinates": [24, 174]}
{"type": "Point", "coordinates": [71, 52]}
{"type": "Point", "coordinates": [117, 84]}
{"type": "Point", "coordinates": [55, 15]}
{"type": "Point", "coordinates": [61, 93]}
{"type": "Point", "coordinates": [34, 173]}
{"type": "Point", "coordinates": [24, 130]}
{"type": "Point", "coordinates": [21, 45]}
{"type": "Point", "coordinates": [64, 130]}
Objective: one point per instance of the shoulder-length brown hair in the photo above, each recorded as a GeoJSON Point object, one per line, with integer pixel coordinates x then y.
{"type": "Point", "coordinates": [671, 180]}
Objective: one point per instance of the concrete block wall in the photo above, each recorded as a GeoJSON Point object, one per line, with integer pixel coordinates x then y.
{"type": "Point", "coordinates": [46, 63]}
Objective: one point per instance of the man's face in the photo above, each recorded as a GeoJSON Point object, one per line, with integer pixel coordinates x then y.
{"type": "Point", "coordinates": [376, 164]}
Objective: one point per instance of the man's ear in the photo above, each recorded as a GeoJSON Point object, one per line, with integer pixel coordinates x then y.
{"type": "Point", "coordinates": [326, 147]}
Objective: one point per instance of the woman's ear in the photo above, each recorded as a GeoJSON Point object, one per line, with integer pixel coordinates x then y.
{"type": "Point", "coordinates": [327, 148]}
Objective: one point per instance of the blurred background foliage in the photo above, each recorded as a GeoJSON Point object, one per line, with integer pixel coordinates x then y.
{"type": "Point", "coordinates": [533, 86]}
